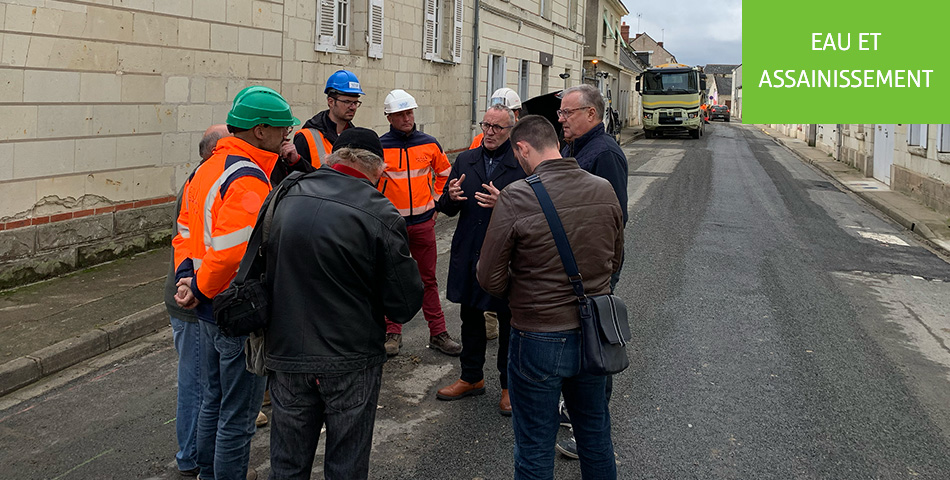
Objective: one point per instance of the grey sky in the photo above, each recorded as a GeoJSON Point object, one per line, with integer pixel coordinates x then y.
{"type": "Point", "coordinates": [697, 32]}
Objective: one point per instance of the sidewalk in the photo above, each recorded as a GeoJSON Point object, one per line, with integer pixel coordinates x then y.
{"type": "Point", "coordinates": [49, 326]}
{"type": "Point", "coordinates": [903, 209]}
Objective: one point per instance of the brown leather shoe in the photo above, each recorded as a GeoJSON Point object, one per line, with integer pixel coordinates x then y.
{"type": "Point", "coordinates": [461, 389]}
{"type": "Point", "coordinates": [504, 406]}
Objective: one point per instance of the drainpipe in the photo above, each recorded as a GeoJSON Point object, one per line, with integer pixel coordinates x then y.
{"type": "Point", "coordinates": [475, 55]}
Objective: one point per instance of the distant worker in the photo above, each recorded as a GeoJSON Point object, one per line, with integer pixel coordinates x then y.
{"type": "Point", "coordinates": [503, 96]}
{"type": "Point", "coordinates": [227, 192]}
{"type": "Point", "coordinates": [314, 141]}
{"type": "Point", "coordinates": [416, 172]}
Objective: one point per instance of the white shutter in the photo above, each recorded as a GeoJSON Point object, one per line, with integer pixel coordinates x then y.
{"type": "Point", "coordinates": [326, 26]}
{"type": "Point", "coordinates": [428, 31]}
{"type": "Point", "coordinates": [457, 32]}
{"type": "Point", "coordinates": [375, 36]}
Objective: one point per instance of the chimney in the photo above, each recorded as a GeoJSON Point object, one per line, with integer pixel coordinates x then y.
{"type": "Point", "coordinates": [659, 43]}
{"type": "Point", "coordinates": [638, 36]}
{"type": "Point", "coordinates": [625, 32]}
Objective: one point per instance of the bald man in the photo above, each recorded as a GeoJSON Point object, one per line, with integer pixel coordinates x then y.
{"type": "Point", "coordinates": [185, 334]}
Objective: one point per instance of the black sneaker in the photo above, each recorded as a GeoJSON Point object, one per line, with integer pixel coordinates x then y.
{"type": "Point", "coordinates": [565, 418]}
{"type": "Point", "coordinates": [567, 447]}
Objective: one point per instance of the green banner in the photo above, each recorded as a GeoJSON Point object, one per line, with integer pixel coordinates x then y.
{"type": "Point", "coordinates": [844, 62]}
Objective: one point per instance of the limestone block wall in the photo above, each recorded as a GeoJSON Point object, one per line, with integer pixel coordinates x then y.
{"type": "Point", "coordinates": [857, 149]}
{"type": "Point", "coordinates": [516, 32]}
{"type": "Point", "coordinates": [104, 104]}
{"type": "Point", "coordinates": [442, 89]}
{"type": "Point", "coordinates": [922, 173]}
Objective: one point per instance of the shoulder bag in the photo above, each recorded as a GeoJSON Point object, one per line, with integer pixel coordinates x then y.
{"type": "Point", "coordinates": [605, 330]}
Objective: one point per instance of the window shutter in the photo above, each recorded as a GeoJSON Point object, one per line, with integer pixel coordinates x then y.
{"type": "Point", "coordinates": [457, 32]}
{"type": "Point", "coordinates": [923, 135]}
{"type": "Point", "coordinates": [428, 42]}
{"type": "Point", "coordinates": [326, 15]}
{"type": "Point", "coordinates": [375, 36]}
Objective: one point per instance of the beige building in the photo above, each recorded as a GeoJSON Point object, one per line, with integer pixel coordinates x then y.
{"type": "Point", "coordinates": [105, 100]}
{"type": "Point", "coordinates": [531, 46]}
{"type": "Point", "coordinates": [909, 158]}
{"type": "Point", "coordinates": [602, 50]}
{"type": "Point", "coordinates": [650, 51]}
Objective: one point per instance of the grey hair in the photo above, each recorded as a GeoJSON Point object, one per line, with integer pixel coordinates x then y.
{"type": "Point", "coordinates": [207, 143]}
{"type": "Point", "coordinates": [358, 158]}
{"type": "Point", "coordinates": [503, 108]}
{"type": "Point", "coordinates": [590, 95]}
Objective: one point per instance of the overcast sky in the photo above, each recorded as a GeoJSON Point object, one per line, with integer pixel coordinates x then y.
{"type": "Point", "coordinates": [697, 32]}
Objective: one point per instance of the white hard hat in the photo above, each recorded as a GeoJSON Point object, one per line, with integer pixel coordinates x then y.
{"type": "Point", "coordinates": [507, 97]}
{"type": "Point", "coordinates": [397, 101]}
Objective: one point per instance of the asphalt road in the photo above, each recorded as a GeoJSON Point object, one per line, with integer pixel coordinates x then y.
{"type": "Point", "coordinates": [782, 330]}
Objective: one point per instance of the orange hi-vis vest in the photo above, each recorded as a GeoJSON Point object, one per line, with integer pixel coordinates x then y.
{"type": "Point", "coordinates": [412, 160]}
{"type": "Point", "coordinates": [219, 208]}
{"type": "Point", "coordinates": [477, 141]}
{"type": "Point", "coordinates": [319, 146]}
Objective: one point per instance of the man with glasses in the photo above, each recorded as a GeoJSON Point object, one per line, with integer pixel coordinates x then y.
{"type": "Point", "coordinates": [474, 183]}
{"type": "Point", "coordinates": [581, 116]}
{"type": "Point", "coordinates": [227, 192]}
{"type": "Point", "coordinates": [315, 140]}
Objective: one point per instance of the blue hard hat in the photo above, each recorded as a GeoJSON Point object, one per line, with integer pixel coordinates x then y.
{"type": "Point", "coordinates": [344, 81]}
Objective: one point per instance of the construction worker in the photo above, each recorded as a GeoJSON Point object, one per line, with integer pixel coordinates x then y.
{"type": "Point", "coordinates": [315, 140]}
{"type": "Point", "coordinates": [219, 208]}
{"type": "Point", "coordinates": [503, 96]}
{"type": "Point", "coordinates": [412, 160]}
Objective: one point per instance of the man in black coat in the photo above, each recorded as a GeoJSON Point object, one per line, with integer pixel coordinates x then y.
{"type": "Point", "coordinates": [476, 178]}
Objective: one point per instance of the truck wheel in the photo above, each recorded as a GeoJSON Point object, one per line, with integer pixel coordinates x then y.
{"type": "Point", "coordinates": [648, 133]}
{"type": "Point", "coordinates": [694, 133]}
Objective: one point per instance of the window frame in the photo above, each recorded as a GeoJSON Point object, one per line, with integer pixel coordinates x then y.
{"type": "Point", "coordinates": [332, 29]}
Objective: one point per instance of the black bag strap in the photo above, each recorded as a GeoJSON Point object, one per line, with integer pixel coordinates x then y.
{"type": "Point", "coordinates": [560, 238]}
{"type": "Point", "coordinates": [258, 241]}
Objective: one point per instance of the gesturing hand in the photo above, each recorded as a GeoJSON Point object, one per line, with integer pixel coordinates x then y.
{"type": "Point", "coordinates": [455, 189]}
{"type": "Point", "coordinates": [487, 200]}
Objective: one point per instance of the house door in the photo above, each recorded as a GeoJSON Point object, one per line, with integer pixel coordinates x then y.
{"type": "Point", "coordinates": [883, 152]}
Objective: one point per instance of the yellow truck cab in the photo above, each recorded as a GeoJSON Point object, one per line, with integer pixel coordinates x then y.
{"type": "Point", "coordinates": [671, 96]}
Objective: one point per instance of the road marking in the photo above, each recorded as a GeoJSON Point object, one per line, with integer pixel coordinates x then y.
{"type": "Point", "coordinates": [660, 166]}
{"type": "Point", "coordinates": [883, 238]}
{"type": "Point", "coordinates": [67, 472]}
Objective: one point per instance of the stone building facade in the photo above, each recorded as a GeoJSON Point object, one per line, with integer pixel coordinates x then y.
{"type": "Point", "coordinates": [105, 100]}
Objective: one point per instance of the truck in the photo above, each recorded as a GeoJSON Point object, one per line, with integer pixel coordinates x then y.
{"type": "Point", "coordinates": [671, 95]}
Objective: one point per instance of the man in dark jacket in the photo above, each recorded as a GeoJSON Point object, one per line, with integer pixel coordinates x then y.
{"type": "Point", "coordinates": [474, 183]}
{"type": "Point", "coordinates": [520, 260]}
{"type": "Point", "coordinates": [581, 114]}
{"type": "Point", "coordinates": [338, 262]}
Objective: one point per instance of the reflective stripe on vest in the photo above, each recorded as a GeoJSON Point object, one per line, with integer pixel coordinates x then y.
{"type": "Point", "coordinates": [317, 144]}
{"type": "Point", "coordinates": [234, 238]}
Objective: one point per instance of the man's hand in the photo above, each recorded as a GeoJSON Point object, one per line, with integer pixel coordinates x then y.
{"type": "Point", "coordinates": [289, 153]}
{"type": "Point", "coordinates": [184, 297]}
{"type": "Point", "coordinates": [455, 189]}
{"type": "Point", "coordinates": [487, 200]}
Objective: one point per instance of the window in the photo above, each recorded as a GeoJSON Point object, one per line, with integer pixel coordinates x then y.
{"type": "Point", "coordinates": [374, 37]}
{"type": "Point", "coordinates": [943, 138]}
{"type": "Point", "coordinates": [433, 30]}
{"type": "Point", "coordinates": [523, 78]}
{"type": "Point", "coordinates": [545, 8]}
{"type": "Point", "coordinates": [545, 82]}
{"type": "Point", "coordinates": [333, 26]}
{"type": "Point", "coordinates": [917, 135]}
{"type": "Point", "coordinates": [496, 74]}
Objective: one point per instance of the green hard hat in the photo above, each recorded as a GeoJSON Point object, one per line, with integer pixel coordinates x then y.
{"type": "Point", "coordinates": [256, 105]}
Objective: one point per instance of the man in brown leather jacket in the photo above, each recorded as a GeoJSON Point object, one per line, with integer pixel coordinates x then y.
{"type": "Point", "coordinates": [520, 261]}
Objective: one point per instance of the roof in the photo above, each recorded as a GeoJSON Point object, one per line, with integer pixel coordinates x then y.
{"type": "Point", "coordinates": [723, 85]}
{"type": "Point", "coordinates": [719, 69]}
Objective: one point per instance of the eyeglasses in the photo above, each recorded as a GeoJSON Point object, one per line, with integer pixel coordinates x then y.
{"type": "Point", "coordinates": [286, 130]}
{"type": "Point", "coordinates": [348, 103]}
{"type": "Point", "coordinates": [492, 128]}
{"type": "Point", "coordinates": [567, 112]}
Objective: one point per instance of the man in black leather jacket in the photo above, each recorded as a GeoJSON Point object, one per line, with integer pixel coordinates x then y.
{"type": "Point", "coordinates": [338, 262]}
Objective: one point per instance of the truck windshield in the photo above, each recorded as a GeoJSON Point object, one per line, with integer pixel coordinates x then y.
{"type": "Point", "coordinates": [670, 83]}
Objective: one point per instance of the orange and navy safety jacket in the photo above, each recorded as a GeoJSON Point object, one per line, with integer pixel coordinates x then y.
{"type": "Point", "coordinates": [416, 172]}
{"type": "Point", "coordinates": [314, 141]}
{"type": "Point", "coordinates": [477, 141]}
{"type": "Point", "coordinates": [219, 208]}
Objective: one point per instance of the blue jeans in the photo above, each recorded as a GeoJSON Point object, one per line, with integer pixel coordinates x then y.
{"type": "Point", "coordinates": [231, 400]}
{"type": "Point", "coordinates": [303, 402]}
{"type": "Point", "coordinates": [187, 338]}
{"type": "Point", "coordinates": [542, 366]}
